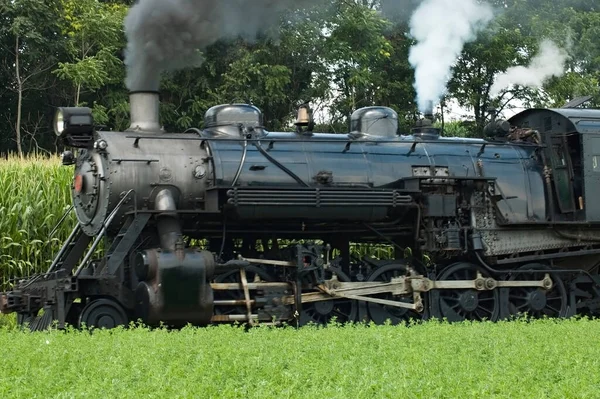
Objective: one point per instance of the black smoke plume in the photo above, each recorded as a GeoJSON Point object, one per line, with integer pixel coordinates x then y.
{"type": "Point", "coordinates": [165, 35]}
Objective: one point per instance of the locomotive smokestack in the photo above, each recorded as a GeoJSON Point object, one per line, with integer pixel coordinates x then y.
{"type": "Point", "coordinates": [144, 112]}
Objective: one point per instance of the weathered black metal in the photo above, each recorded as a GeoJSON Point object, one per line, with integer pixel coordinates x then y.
{"type": "Point", "coordinates": [124, 241]}
{"type": "Point", "coordinates": [464, 220]}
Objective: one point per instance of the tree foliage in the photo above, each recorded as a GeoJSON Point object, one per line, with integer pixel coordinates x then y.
{"type": "Point", "coordinates": [513, 39]}
{"type": "Point", "coordinates": [92, 38]}
{"type": "Point", "coordinates": [337, 57]}
{"type": "Point", "coordinates": [29, 52]}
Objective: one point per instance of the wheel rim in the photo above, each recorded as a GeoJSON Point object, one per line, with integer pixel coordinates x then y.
{"type": "Point", "coordinates": [381, 313]}
{"type": "Point", "coordinates": [103, 313]}
{"type": "Point", "coordinates": [536, 302]}
{"type": "Point", "coordinates": [323, 312]}
{"type": "Point", "coordinates": [467, 304]}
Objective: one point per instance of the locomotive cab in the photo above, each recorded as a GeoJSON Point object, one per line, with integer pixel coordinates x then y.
{"type": "Point", "coordinates": [570, 152]}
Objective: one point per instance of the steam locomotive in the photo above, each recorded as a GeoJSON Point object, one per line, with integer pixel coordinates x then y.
{"type": "Point", "coordinates": [234, 223]}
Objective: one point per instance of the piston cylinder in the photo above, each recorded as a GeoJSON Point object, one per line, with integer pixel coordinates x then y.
{"type": "Point", "coordinates": [174, 287]}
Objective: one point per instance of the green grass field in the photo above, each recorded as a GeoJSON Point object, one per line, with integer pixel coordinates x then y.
{"type": "Point", "coordinates": [541, 359]}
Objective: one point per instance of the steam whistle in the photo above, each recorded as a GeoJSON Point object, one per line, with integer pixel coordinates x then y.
{"type": "Point", "coordinates": [424, 128]}
{"type": "Point", "coordinates": [428, 119]}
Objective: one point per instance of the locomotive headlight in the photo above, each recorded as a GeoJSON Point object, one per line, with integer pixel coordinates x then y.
{"type": "Point", "coordinates": [73, 121]}
{"type": "Point", "coordinates": [59, 123]}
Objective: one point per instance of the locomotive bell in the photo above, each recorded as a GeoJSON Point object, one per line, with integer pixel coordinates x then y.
{"type": "Point", "coordinates": [304, 119]}
{"type": "Point", "coordinates": [303, 116]}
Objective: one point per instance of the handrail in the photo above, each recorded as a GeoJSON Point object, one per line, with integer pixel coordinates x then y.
{"type": "Point", "coordinates": [444, 140]}
{"type": "Point", "coordinates": [242, 162]}
{"type": "Point", "coordinates": [279, 165]}
{"type": "Point", "coordinates": [102, 232]}
{"type": "Point", "coordinates": [62, 219]}
{"type": "Point", "coordinates": [66, 244]}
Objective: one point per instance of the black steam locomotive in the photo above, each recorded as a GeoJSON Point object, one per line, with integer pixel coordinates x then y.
{"type": "Point", "coordinates": [234, 223]}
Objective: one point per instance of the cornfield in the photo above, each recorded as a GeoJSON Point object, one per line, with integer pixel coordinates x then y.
{"type": "Point", "coordinates": [34, 194]}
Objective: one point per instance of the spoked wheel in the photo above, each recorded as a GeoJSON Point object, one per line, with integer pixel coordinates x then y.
{"type": "Point", "coordinates": [103, 313]}
{"type": "Point", "coordinates": [252, 272]}
{"type": "Point", "coordinates": [537, 302]}
{"type": "Point", "coordinates": [586, 293]}
{"type": "Point", "coordinates": [322, 312]}
{"type": "Point", "coordinates": [467, 304]}
{"type": "Point", "coordinates": [381, 313]}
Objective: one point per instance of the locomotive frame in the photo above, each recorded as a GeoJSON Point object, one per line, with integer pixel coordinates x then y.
{"type": "Point", "coordinates": [482, 229]}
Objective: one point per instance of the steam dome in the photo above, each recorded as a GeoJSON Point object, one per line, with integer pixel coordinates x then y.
{"type": "Point", "coordinates": [233, 114]}
{"type": "Point", "coordinates": [374, 121]}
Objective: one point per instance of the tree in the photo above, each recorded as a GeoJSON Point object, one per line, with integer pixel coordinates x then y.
{"type": "Point", "coordinates": [502, 45]}
{"type": "Point", "coordinates": [338, 56]}
{"type": "Point", "coordinates": [28, 26]}
{"type": "Point", "coordinates": [93, 34]}
{"type": "Point", "coordinates": [275, 75]}
{"type": "Point", "coordinates": [513, 39]}
{"type": "Point", "coordinates": [577, 25]}
{"type": "Point", "coordinates": [367, 59]}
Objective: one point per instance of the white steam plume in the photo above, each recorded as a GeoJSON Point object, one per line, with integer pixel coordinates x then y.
{"type": "Point", "coordinates": [167, 34]}
{"type": "Point", "coordinates": [441, 28]}
{"type": "Point", "coordinates": [550, 61]}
